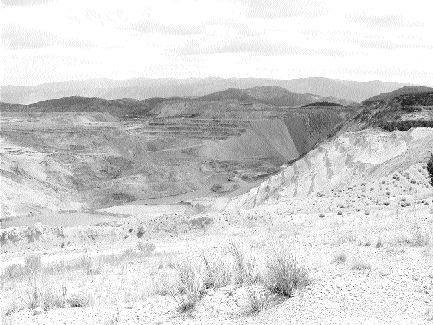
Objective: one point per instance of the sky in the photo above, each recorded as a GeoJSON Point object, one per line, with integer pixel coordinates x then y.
{"type": "Point", "coordinates": [56, 40]}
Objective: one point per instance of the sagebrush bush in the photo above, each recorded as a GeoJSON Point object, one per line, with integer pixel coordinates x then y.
{"type": "Point", "coordinates": [245, 266]}
{"type": "Point", "coordinates": [360, 265]}
{"type": "Point", "coordinates": [420, 236]}
{"type": "Point", "coordinates": [283, 274]}
{"type": "Point", "coordinates": [78, 300]}
{"type": "Point", "coordinates": [146, 247]}
{"type": "Point", "coordinates": [340, 258]}
{"type": "Point", "coordinates": [191, 285]}
{"type": "Point", "coordinates": [33, 263]}
{"type": "Point", "coordinates": [430, 169]}
{"type": "Point", "coordinates": [256, 302]}
{"type": "Point", "coordinates": [217, 272]}
{"type": "Point", "coordinates": [40, 295]}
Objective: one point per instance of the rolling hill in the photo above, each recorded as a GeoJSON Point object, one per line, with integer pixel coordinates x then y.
{"type": "Point", "coordinates": [271, 95]}
{"type": "Point", "coordinates": [406, 90]}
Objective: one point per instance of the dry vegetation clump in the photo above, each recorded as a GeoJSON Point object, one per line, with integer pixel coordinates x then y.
{"type": "Point", "coordinates": [38, 294]}
{"type": "Point", "coordinates": [34, 286]}
{"type": "Point", "coordinates": [32, 266]}
{"type": "Point", "coordinates": [146, 247]}
{"type": "Point", "coordinates": [429, 315]}
{"type": "Point", "coordinates": [244, 266]}
{"type": "Point", "coordinates": [217, 271]}
{"type": "Point", "coordinates": [77, 300]}
{"type": "Point", "coordinates": [367, 242]}
{"type": "Point", "coordinates": [257, 301]}
{"type": "Point", "coordinates": [92, 265]}
{"type": "Point", "coordinates": [360, 265]}
{"type": "Point", "coordinates": [420, 236]}
{"type": "Point", "coordinates": [340, 258]}
{"type": "Point", "coordinates": [417, 236]}
{"type": "Point", "coordinates": [430, 169]}
{"type": "Point", "coordinates": [278, 273]}
{"type": "Point", "coordinates": [44, 297]}
{"type": "Point", "coordinates": [283, 274]}
{"type": "Point", "coordinates": [191, 285]}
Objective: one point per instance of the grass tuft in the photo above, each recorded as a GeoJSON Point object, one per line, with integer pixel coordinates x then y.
{"type": "Point", "coordinates": [191, 285]}
{"type": "Point", "coordinates": [340, 258]}
{"type": "Point", "coordinates": [359, 265]}
{"type": "Point", "coordinates": [284, 275]}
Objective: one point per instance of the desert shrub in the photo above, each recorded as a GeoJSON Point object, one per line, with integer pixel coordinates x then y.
{"type": "Point", "coordinates": [430, 169]}
{"type": "Point", "coordinates": [256, 301]}
{"type": "Point", "coordinates": [78, 300]}
{"type": "Point", "coordinates": [420, 236]}
{"type": "Point", "coordinates": [245, 269]}
{"type": "Point", "coordinates": [379, 243]}
{"type": "Point", "coordinates": [14, 271]}
{"type": "Point", "coordinates": [283, 274]}
{"type": "Point", "coordinates": [231, 264]}
{"type": "Point", "coordinates": [199, 222]}
{"type": "Point", "coordinates": [340, 258]}
{"type": "Point", "coordinates": [33, 263]}
{"type": "Point", "coordinates": [32, 266]}
{"type": "Point", "coordinates": [217, 273]}
{"type": "Point", "coordinates": [146, 247]}
{"type": "Point", "coordinates": [164, 284]}
{"type": "Point", "coordinates": [404, 125]}
{"type": "Point", "coordinates": [416, 236]}
{"type": "Point", "coordinates": [42, 296]}
{"type": "Point", "coordinates": [140, 232]}
{"type": "Point", "coordinates": [191, 288]}
{"type": "Point", "coordinates": [360, 265]}
{"type": "Point", "coordinates": [429, 315]}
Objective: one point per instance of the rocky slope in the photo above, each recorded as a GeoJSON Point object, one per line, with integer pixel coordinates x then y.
{"type": "Point", "coordinates": [350, 160]}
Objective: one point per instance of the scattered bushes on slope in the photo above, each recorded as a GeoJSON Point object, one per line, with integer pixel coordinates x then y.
{"type": "Point", "coordinates": [322, 104]}
{"type": "Point", "coordinates": [422, 99]}
{"type": "Point", "coordinates": [404, 125]}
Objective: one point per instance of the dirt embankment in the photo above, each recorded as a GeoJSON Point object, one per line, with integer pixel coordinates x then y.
{"type": "Point", "coordinates": [352, 158]}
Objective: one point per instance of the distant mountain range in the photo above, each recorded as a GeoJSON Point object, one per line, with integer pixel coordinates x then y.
{"type": "Point", "coordinates": [146, 88]}
{"type": "Point", "coordinates": [267, 95]}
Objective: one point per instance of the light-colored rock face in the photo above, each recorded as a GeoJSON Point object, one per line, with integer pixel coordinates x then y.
{"type": "Point", "coordinates": [351, 158]}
